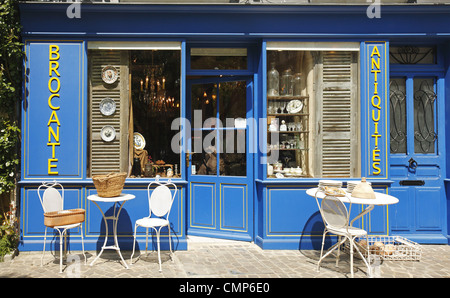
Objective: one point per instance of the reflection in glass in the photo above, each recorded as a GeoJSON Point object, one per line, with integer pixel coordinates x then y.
{"type": "Point", "coordinates": [232, 103]}
{"type": "Point", "coordinates": [204, 158]}
{"type": "Point", "coordinates": [232, 155]}
{"type": "Point", "coordinates": [204, 97]}
{"type": "Point", "coordinates": [397, 101]}
{"type": "Point", "coordinates": [424, 119]}
{"type": "Point", "coordinates": [218, 58]}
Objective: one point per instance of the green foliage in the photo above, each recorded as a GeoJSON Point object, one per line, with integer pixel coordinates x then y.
{"type": "Point", "coordinates": [11, 55]}
{"type": "Point", "coordinates": [11, 61]}
{"type": "Point", "coordinates": [9, 235]}
{"type": "Point", "coordinates": [9, 137]}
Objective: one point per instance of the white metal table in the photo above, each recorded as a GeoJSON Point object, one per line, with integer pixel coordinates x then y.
{"type": "Point", "coordinates": [381, 199]}
{"type": "Point", "coordinates": [122, 198]}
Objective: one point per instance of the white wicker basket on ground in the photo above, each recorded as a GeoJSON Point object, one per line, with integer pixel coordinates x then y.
{"type": "Point", "coordinates": [395, 248]}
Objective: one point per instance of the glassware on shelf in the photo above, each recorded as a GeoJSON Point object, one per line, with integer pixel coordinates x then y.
{"type": "Point", "coordinates": [273, 81]}
{"type": "Point", "coordinates": [286, 83]}
{"type": "Point", "coordinates": [283, 126]}
{"type": "Point", "coordinates": [297, 84]}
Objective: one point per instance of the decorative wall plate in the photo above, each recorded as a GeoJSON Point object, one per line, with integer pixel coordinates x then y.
{"type": "Point", "coordinates": [107, 106]}
{"type": "Point", "coordinates": [108, 133]}
{"type": "Point", "coordinates": [139, 141]}
{"type": "Point", "coordinates": [294, 106]}
{"type": "Point", "coordinates": [109, 74]}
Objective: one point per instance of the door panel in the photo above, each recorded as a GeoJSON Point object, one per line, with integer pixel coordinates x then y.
{"type": "Point", "coordinates": [428, 203]}
{"type": "Point", "coordinates": [220, 170]}
{"type": "Point", "coordinates": [417, 154]}
{"type": "Point", "coordinates": [202, 205]}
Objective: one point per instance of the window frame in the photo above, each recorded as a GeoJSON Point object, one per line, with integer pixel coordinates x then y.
{"type": "Point", "coordinates": [126, 47]}
{"type": "Point", "coordinates": [315, 46]}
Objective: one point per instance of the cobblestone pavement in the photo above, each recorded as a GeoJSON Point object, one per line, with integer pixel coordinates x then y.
{"type": "Point", "coordinates": [223, 259]}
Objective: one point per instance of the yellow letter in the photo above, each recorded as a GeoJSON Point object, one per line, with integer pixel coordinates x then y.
{"type": "Point", "coordinates": [53, 119]}
{"type": "Point", "coordinates": [58, 85]}
{"type": "Point", "coordinates": [53, 148]}
{"type": "Point", "coordinates": [375, 167]}
{"type": "Point", "coordinates": [375, 52]}
{"type": "Point", "coordinates": [53, 68]}
{"type": "Point", "coordinates": [373, 116]}
{"type": "Point", "coordinates": [376, 155]}
{"type": "Point", "coordinates": [51, 133]}
{"type": "Point", "coordinates": [54, 49]}
{"type": "Point", "coordinates": [376, 63]}
{"type": "Point", "coordinates": [50, 166]}
{"type": "Point", "coordinates": [50, 102]}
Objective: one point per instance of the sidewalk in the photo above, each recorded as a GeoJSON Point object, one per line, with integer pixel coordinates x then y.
{"type": "Point", "coordinates": [223, 259]}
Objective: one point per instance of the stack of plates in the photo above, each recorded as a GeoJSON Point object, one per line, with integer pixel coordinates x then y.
{"type": "Point", "coordinates": [351, 185]}
{"type": "Point", "coordinates": [329, 183]}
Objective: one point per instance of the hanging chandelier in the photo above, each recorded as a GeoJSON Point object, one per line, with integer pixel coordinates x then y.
{"type": "Point", "coordinates": [153, 90]}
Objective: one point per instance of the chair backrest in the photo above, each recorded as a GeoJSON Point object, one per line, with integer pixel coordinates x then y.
{"type": "Point", "coordinates": [51, 199]}
{"type": "Point", "coordinates": [334, 212]}
{"type": "Point", "coordinates": [161, 199]}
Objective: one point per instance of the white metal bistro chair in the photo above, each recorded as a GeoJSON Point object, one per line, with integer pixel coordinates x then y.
{"type": "Point", "coordinates": [160, 203]}
{"type": "Point", "coordinates": [336, 220]}
{"type": "Point", "coordinates": [52, 200]}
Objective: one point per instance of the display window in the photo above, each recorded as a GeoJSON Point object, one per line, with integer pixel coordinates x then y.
{"type": "Point", "coordinates": [134, 95]}
{"type": "Point", "coordinates": [313, 110]}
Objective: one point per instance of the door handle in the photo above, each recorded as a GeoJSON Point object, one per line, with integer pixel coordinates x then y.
{"type": "Point", "coordinates": [412, 164]}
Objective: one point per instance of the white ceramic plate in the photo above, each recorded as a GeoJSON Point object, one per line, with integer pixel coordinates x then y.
{"type": "Point", "coordinates": [139, 141]}
{"type": "Point", "coordinates": [108, 133]}
{"type": "Point", "coordinates": [294, 106]}
{"type": "Point", "coordinates": [107, 106]}
{"type": "Point", "coordinates": [109, 74]}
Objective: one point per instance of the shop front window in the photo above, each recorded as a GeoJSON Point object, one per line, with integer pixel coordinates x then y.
{"type": "Point", "coordinates": [312, 110]}
{"type": "Point", "coordinates": [134, 97]}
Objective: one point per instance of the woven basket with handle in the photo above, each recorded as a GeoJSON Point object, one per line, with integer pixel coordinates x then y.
{"type": "Point", "coordinates": [63, 217]}
{"type": "Point", "coordinates": [109, 185]}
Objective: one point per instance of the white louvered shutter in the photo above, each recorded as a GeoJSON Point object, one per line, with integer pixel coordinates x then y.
{"type": "Point", "coordinates": [337, 115]}
{"type": "Point", "coordinates": [106, 157]}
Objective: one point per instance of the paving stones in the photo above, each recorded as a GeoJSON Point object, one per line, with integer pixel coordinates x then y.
{"type": "Point", "coordinates": [229, 259]}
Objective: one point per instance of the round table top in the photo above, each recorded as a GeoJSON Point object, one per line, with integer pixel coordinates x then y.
{"type": "Point", "coordinates": [120, 198]}
{"type": "Point", "coordinates": [380, 198]}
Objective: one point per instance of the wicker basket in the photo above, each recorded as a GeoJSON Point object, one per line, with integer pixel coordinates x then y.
{"type": "Point", "coordinates": [109, 185]}
{"type": "Point", "coordinates": [63, 217]}
{"type": "Point", "coordinates": [393, 248]}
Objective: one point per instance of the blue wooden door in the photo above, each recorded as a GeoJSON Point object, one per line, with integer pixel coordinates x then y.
{"type": "Point", "coordinates": [417, 158]}
{"type": "Point", "coordinates": [220, 165]}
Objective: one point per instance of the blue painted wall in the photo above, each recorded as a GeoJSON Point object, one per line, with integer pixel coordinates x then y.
{"type": "Point", "coordinates": [284, 216]}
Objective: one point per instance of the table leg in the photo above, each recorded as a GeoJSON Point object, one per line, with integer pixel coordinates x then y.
{"type": "Point", "coordinates": [115, 234]}
{"type": "Point", "coordinates": [364, 212]}
{"type": "Point", "coordinates": [116, 244]}
{"type": "Point", "coordinates": [106, 234]}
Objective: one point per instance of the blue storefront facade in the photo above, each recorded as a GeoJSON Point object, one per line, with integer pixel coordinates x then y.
{"type": "Point", "coordinates": [371, 101]}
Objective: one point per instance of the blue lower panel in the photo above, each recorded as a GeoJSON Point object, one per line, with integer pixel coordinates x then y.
{"type": "Point", "coordinates": [291, 219]}
{"type": "Point", "coordinates": [94, 230]}
{"type": "Point", "coordinates": [234, 207]}
{"type": "Point", "coordinates": [202, 205]}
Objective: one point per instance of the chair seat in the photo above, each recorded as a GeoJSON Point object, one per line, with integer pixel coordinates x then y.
{"type": "Point", "coordinates": [351, 230]}
{"type": "Point", "coordinates": [152, 222]}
